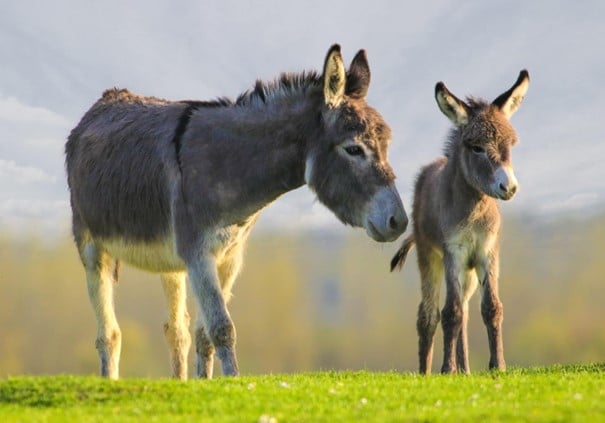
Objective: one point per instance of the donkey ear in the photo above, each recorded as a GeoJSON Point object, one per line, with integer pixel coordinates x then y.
{"type": "Point", "coordinates": [510, 101]}
{"type": "Point", "coordinates": [334, 77]}
{"type": "Point", "coordinates": [455, 109]}
{"type": "Point", "coordinates": [358, 77]}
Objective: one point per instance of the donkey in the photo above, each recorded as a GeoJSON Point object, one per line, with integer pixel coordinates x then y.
{"type": "Point", "coordinates": [456, 224]}
{"type": "Point", "coordinates": [175, 188]}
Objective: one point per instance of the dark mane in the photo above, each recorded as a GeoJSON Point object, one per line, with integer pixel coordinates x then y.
{"type": "Point", "coordinates": [286, 84]}
{"type": "Point", "coordinates": [219, 102]}
{"type": "Point", "coordinates": [476, 103]}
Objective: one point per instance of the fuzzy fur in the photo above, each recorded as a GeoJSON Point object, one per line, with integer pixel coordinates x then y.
{"type": "Point", "coordinates": [176, 187]}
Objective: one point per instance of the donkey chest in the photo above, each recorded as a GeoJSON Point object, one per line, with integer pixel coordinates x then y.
{"type": "Point", "coordinates": [471, 246]}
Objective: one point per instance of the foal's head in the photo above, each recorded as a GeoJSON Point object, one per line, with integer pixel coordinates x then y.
{"type": "Point", "coordinates": [347, 164]}
{"type": "Point", "coordinates": [483, 137]}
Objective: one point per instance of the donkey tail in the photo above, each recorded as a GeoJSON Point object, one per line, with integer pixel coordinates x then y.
{"type": "Point", "coordinates": [399, 258]}
{"type": "Point", "coordinates": [116, 271]}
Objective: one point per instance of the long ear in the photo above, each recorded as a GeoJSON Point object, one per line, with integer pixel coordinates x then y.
{"type": "Point", "coordinates": [455, 109]}
{"type": "Point", "coordinates": [510, 101]}
{"type": "Point", "coordinates": [334, 77]}
{"type": "Point", "coordinates": [358, 77]}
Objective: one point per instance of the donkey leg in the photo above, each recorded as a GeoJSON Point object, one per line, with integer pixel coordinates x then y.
{"type": "Point", "coordinates": [451, 322]}
{"type": "Point", "coordinates": [227, 272]}
{"type": "Point", "coordinates": [431, 271]}
{"type": "Point", "coordinates": [216, 320]}
{"type": "Point", "coordinates": [204, 357]}
{"type": "Point", "coordinates": [99, 278]}
{"type": "Point", "coordinates": [451, 316]}
{"type": "Point", "coordinates": [462, 360]}
{"type": "Point", "coordinates": [470, 285]}
{"type": "Point", "coordinates": [176, 329]}
{"type": "Point", "coordinates": [492, 313]}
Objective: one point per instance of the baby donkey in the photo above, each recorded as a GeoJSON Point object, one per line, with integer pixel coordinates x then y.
{"type": "Point", "coordinates": [457, 224]}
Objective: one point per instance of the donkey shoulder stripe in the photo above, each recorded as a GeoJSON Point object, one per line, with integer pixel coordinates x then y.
{"type": "Point", "coordinates": [181, 128]}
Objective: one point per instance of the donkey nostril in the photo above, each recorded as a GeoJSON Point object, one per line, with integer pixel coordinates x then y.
{"type": "Point", "coordinates": [398, 224]}
{"type": "Point", "coordinates": [508, 190]}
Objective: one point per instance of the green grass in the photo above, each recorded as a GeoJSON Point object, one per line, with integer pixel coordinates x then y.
{"type": "Point", "coordinates": [559, 393]}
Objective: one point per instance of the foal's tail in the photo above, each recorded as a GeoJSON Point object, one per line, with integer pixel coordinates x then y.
{"type": "Point", "coordinates": [399, 258]}
{"type": "Point", "coordinates": [116, 271]}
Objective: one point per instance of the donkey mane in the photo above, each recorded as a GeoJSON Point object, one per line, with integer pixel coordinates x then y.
{"type": "Point", "coordinates": [476, 103]}
{"type": "Point", "coordinates": [287, 84]}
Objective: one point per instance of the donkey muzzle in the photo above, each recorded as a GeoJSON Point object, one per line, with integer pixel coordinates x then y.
{"type": "Point", "coordinates": [385, 218]}
{"type": "Point", "coordinates": [505, 184]}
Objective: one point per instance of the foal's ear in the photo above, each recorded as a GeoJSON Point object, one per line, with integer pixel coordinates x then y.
{"type": "Point", "coordinates": [510, 101]}
{"type": "Point", "coordinates": [455, 109]}
{"type": "Point", "coordinates": [358, 77]}
{"type": "Point", "coordinates": [334, 77]}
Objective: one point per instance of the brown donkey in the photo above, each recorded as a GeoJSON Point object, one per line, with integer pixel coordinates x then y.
{"type": "Point", "coordinates": [457, 224]}
{"type": "Point", "coordinates": [175, 188]}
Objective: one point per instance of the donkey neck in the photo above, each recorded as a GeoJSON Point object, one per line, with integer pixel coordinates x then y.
{"type": "Point", "coordinates": [242, 157]}
{"type": "Point", "coordinates": [465, 202]}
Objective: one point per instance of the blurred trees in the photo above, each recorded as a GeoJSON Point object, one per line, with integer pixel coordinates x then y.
{"type": "Point", "coordinates": [310, 301]}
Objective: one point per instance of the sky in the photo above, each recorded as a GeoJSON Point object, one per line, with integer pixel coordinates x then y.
{"type": "Point", "coordinates": [58, 57]}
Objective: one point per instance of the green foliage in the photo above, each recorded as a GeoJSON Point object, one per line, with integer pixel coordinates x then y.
{"type": "Point", "coordinates": [559, 393]}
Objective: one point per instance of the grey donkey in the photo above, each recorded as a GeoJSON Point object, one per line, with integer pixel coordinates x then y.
{"type": "Point", "coordinates": [456, 224]}
{"type": "Point", "coordinates": [175, 188]}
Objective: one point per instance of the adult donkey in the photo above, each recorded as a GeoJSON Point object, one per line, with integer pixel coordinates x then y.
{"type": "Point", "coordinates": [457, 224]}
{"type": "Point", "coordinates": [175, 188]}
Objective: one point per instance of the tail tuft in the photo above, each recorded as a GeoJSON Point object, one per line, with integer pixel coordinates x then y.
{"type": "Point", "coordinates": [116, 271]}
{"type": "Point", "coordinates": [398, 259]}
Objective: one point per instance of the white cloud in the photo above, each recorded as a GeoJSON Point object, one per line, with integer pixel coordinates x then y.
{"type": "Point", "coordinates": [12, 110]}
{"type": "Point", "coordinates": [12, 172]}
{"type": "Point", "coordinates": [31, 216]}
{"type": "Point", "coordinates": [45, 142]}
{"type": "Point", "coordinates": [28, 208]}
{"type": "Point", "coordinates": [574, 203]}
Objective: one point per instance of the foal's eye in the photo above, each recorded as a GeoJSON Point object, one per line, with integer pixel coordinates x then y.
{"type": "Point", "coordinates": [354, 150]}
{"type": "Point", "coordinates": [477, 150]}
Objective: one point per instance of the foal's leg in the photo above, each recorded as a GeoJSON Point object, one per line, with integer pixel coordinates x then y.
{"type": "Point", "coordinates": [492, 311]}
{"type": "Point", "coordinates": [431, 273]}
{"type": "Point", "coordinates": [470, 285]}
{"type": "Point", "coordinates": [177, 327]}
{"type": "Point", "coordinates": [99, 278]}
{"type": "Point", "coordinates": [217, 323]}
{"type": "Point", "coordinates": [452, 314]}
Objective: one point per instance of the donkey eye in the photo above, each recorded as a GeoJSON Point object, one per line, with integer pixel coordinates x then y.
{"type": "Point", "coordinates": [477, 150]}
{"type": "Point", "coordinates": [354, 150]}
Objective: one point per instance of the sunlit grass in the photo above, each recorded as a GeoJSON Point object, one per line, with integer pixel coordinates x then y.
{"type": "Point", "coordinates": [559, 393]}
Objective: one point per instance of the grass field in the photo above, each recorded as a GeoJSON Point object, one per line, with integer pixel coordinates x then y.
{"type": "Point", "coordinates": [559, 393]}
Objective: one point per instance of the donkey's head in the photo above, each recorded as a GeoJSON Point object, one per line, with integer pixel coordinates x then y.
{"type": "Point", "coordinates": [346, 164]}
{"type": "Point", "coordinates": [482, 140]}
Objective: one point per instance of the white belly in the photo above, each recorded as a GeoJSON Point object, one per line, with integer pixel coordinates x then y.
{"type": "Point", "coordinates": [158, 257]}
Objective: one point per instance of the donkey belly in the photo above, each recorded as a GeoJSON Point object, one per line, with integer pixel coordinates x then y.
{"type": "Point", "coordinates": [158, 257]}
